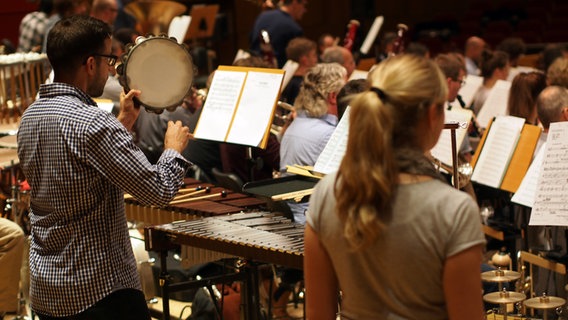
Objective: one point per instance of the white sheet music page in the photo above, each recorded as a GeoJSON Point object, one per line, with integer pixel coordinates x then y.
{"type": "Point", "coordinates": [254, 113]}
{"type": "Point", "coordinates": [443, 149]}
{"type": "Point", "coordinates": [178, 28]}
{"type": "Point", "coordinates": [220, 105]}
{"type": "Point", "coordinates": [551, 199]}
{"type": "Point", "coordinates": [497, 150]}
{"type": "Point", "coordinates": [527, 190]}
{"type": "Point", "coordinates": [472, 83]}
{"type": "Point", "coordinates": [331, 156]}
{"type": "Point", "coordinates": [496, 103]}
{"type": "Point", "coordinates": [289, 68]}
{"type": "Point", "coordinates": [358, 74]}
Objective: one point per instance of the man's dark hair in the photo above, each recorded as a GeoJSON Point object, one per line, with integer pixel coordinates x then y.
{"type": "Point", "coordinates": [450, 65]}
{"type": "Point", "coordinates": [346, 93]}
{"type": "Point", "coordinates": [72, 40]}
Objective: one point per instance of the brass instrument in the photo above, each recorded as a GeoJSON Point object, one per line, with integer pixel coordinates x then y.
{"type": "Point", "coordinates": [282, 117]}
{"type": "Point", "coordinates": [154, 16]}
{"type": "Point", "coordinates": [465, 171]}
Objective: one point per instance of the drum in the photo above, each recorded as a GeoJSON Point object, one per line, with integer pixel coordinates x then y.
{"type": "Point", "coordinates": [161, 69]}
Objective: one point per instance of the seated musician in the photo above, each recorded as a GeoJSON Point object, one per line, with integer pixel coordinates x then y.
{"type": "Point", "coordinates": [397, 241]}
{"type": "Point", "coordinates": [79, 161]}
{"type": "Point", "coordinates": [304, 140]}
{"type": "Point", "coordinates": [552, 106]}
{"type": "Point", "coordinates": [316, 118]}
{"type": "Point", "coordinates": [525, 88]}
{"type": "Point", "coordinates": [455, 72]}
{"type": "Point", "coordinates": [494, 66]}
{"type": "Point", "coordinates": [302, 51]}
{"type": "Point", "coordinates": [340, 55]}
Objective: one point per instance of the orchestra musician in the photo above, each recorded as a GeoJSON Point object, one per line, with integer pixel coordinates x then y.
{"type": "Point", "coordinates": [384, 230]}
{"type": "Point", "coordinates": [79, 160]}
{"type": "Point", "coordinates": [525, 88]}
{"type": "Point", "coordinates": [455, 72]}
{"type": "Point", "coordinates": [551, 106]}
{"type": "Point", "coordinates": [302, 51]}
{"type": "Point", "coordinates": [494, 66]}
{"type": "Point", "coordinates": [473, 51]}
{"type": "Point", "coordinates": [315, 121]}
{"type": "Point", "coordinates": [340, 55]}
{"type": "Point", "coordinates": [281, 25]}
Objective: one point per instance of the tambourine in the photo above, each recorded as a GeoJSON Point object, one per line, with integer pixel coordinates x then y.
{"type": "Point", "coordinates": [160, 68]}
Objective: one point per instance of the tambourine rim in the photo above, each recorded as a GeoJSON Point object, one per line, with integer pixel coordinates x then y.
{"type": "Point", "coordinates": [125, 68]}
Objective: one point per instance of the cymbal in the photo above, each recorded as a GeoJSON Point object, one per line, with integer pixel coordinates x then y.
{"type": "Point", "coordinates": [504, 297]}
{"type": "Point", "coordinates": [544, 302]}
{"type": "Point", "coordinates": [500, 276]}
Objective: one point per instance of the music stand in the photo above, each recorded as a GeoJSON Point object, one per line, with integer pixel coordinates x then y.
{"type": "Point", "coordinates": [202, 23]}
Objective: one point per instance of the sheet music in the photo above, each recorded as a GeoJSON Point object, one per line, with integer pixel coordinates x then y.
{"type": "Point", "coordinates": [358, 74]}
{"type": "Point", "coordinates": [178, 28]}
{"type": "Point", "coordinates": [443, 149]}
{"type": "Point", "coordinates": [497, 150]}
{"type": "Point", "coordinates": [331, 156]}
{"type": "Point", "coordinates": [551, 199]}
{"type": "Point", "coordinates": [372, 34]}
{"type": "Point", "coordinates": [254, 114]}
{"type": "Point", "coordinates": [526, 193]}
{"type": "Point", "coordinates": [289, 68]}
{"type": "Point", "coordinates": [496, 103]}
{"type": "Point", "coordinates": [467, 92]}
{"type": "Point", "coordinates": [220, 105]}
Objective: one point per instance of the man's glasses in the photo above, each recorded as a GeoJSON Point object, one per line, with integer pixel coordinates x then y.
{"type": "Point", "coordinates": [461, 82]}
{"type": "Point", "coordinates": [111, 59]}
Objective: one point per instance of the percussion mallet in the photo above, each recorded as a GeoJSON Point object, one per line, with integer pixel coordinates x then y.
{"type": "Point", "coordinates": [194, 193]}
{"type": "Point", "coordinates": [190, 189]}
{"type": "Point", "coordinates": [222, 194]}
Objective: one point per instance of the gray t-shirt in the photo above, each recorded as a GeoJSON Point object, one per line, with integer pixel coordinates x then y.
{"type": "Point", "coordinates": [399, 276]}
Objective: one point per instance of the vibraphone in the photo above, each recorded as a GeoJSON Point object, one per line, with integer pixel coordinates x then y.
{"type": "Point", "coordinates": [258, 236]}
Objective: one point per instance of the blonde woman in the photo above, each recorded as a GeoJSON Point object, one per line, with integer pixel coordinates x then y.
{"type": "Point", "coordinates": [398, 242]}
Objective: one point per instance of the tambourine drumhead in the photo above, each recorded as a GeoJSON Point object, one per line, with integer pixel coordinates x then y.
{"type": "Point", "coordinates": [160, 68]}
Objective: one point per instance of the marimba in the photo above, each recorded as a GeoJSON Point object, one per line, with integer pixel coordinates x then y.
{"type": "Point", "coordinates": [233, 202]}
{"type": "Point", "coordinates": [255, 236]}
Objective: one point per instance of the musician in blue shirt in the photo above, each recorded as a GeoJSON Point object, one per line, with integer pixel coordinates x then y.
{"type": "Point", "coordinates": [281, 25]}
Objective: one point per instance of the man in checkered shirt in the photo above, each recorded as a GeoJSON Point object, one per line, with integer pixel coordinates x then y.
{"type": "Point", "coordinates": [79, 160]}
{"type": "Point", "coordinates": [33, 27]}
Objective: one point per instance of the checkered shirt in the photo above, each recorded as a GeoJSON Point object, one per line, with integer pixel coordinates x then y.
{"type": "Point", "coordinates": [32, 31]}
{"type": "Point", "coordinates": [79, 160]}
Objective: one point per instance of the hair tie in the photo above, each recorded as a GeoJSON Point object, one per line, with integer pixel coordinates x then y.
{"type": "Point", "coordinates": [380, 93]}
